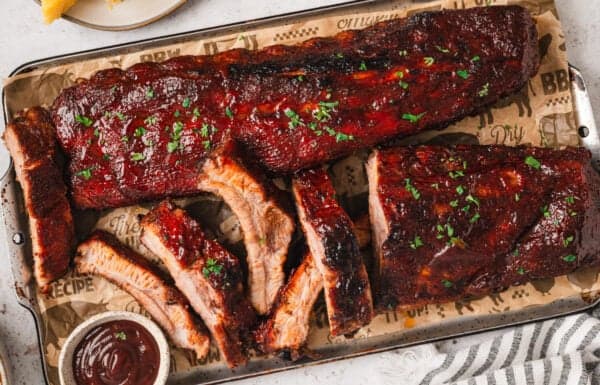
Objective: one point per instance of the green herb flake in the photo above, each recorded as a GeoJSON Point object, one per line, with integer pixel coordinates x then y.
{"type": "Point", "coordinates": [87, 122]}
{"type": "Point", "coordinates": [86, 173]}
{"type": "Point", "coordinates": [228, 112]}
{"type": "Point", "coordinates": [442, 49]}
{"type": "Point", "coordinates": [403, 52]}
{"type": "Point", "coordinates": [484, 91]}
{"type": "Point", "coordinates": [186, 103]}
{"type": "Point", "coordinates": [413, 118]}
{"type": "Point", "coordinates": [211, 267]}
{"type": "Point", "coordinates": [428, 60]}
{"type": "Point", "coordinates": [121, 336]}
{"type": "Point", "coordinates": [339, 55]}
{"type": "Point", "coordinates": [341, 137]}
{"type": "Point", "coordinates": [96, 132]}
{"type": "Point", "coordinates": [324, 110]}
{"type": "Point", "coordinates": [295, 119]}
{"type": "Point", "coordinates": [404, 85]}
{"type": "Point", "coordinates": [463, 74]}
{"type": "Point", "coordinates": [435, 186]}
{"type": "Point", "coordinates": [124, 139]}
{"type": "Point", "coordinates": [172, 147]}
{"type": "Point", "coordinates": [454, 203]}
{"type": "Point", "coordinates": [176, 113]}
{"type": "Point", "coordinates": [474, 218]}
{"type": "Point", "coordinates": [521, 271]}
{"type": "Point", "coordinates": [456, 174]}
{"type": "Point", "coordinates": [196, 112]}
{"type": "Point", "coordinates": [120, 115]}
{"type": "Point", "coordinates": [363, 66]}
{"type": "Point", "coordinates": [517, 197]}
{"type": "Point", "coordinates": [416, 243]}
{"type": "Point", "coordinates": [447, 284]}
{"type": "Point", "coordinates": [150, 120]}
{"type": "Point", "coordinates": [516, 252]}
{"type": "Point", "coordinates": [533, 163]}
{"type": "Point", "coordinates": [475, 58]}
{"type": "Point", "coordinates": [570, 258]}
{"type": "Point", "coordinates": [412, 189]}
{"type": "Point", "coordinates": [460, 190]}
{"type": "Point", "coordinates": [206, 144]}
{"type": "Point", "coordinates": [137, 156]}
{"type": "Point", "coordinates": [568, 240]}
{"type": "Point", "coordinates": [300, 78]}
{"type": "Point", "coordinates": [570, 200]}
{"type": "Point", "coordinates": [139, 131]}
{"type": "Point", "coordinates": [471, 199]}
{"type": "Point", "coordinates": [106, 157]}
{"type": "Point", "coordinates": [149, 93]}
{"type": "Point", "coordinates": [466, 208]}
{"type": "Point", "coordinates": [545, 212]}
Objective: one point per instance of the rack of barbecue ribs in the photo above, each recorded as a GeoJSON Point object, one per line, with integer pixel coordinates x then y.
{"type": "Point", "coordinates": [31, 140]}
{"type": "Point", "coordinates": [207, 274]}
{"type": "Point", "coordinates": [103, 255]}
{"type": "Point", "coordinates": [144, 133]}
{"type": "Point", "coordinates": [450, 222]}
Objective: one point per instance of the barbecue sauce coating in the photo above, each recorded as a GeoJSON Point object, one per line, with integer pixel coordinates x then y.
{"type": "Point", "coordinates": [116, 353]}
{"type": "Point", "coordinates": [469, 220]}
{"type": "Point", "coordinates": [143, 133]}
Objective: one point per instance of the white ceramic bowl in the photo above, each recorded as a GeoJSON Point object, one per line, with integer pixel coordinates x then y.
{"type": "Point", "coordinates": [65, 360]}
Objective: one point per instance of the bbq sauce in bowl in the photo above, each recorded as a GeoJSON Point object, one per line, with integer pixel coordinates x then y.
{"type": "Point", "coordinates": [116, 353]}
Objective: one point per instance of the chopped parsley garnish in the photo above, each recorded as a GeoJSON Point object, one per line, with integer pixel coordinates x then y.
{"type": "Point", "coordinates": [545, 211]}
{"type": "Point", "coordinates": [413, 118]}
{"type": "Point", "coordinates": [521, 271]}
{"type": "Point", "coordinates": [106, 157]}
{"type": "Point", "coordinates": [570, 200]}
{"type": "Point", "coordinates": [124, 139]}
{"type": "Point", "coordinates": [295, 119]}
{"type": "Point", "coordinates": [300, 78]}
{"type": "Point", "coordinates": [463, 74]}
{"type": "Point", "coordinates": [121, 336]}
{"type": "Point", "coordinates": [206, 144]}
{"type": "Point", "coordinates": [196, 112]}
{"type": "Point", "coordinates": [403, 52]}
{"type": "Point", "coordinates": [339, 55]}
{"type": "Point", "coordinates": [139, 131]}
{"type": "Point", "coordinates": [86, 173]}
{"type": "Point", "coordinates": [323, 111]}
{"type": "Point", "coordinates": [428, 60]}
{"type": "Point", "coordinates": [172, 146]}
{"type": "Point", "coordinates": [570, 258]}
{"type": "Point", "coordinates": [120, 116]}
{"type": "Point", "coordinates": [460, 189]}
{"type": "Point", "coordinates": [517, 197]}
{"type": "Point", "coordinates": [474, 218]}
{"type": "Point", "coordinates": [404, 85]}
{"type": "Point", "coordinates": [516, 252]}
{"type": "Point", "coordinates": [485, 90]}
{"type": "Point", "coordinates": [176, 113]}
{"type": "Point", "coordinates": [435, 186]}
{"type": "Point", "coordinates": [186, 103]}
{"type": "Point", "coordinates": [444, 230]}
{"type": "Point", "coordinates": [399, 74]}
{"type": "Point", "coordinates": [466, 208]}
{"type": "Point", "coordinates": [532, 162]}
{"type": "Point", "coordinates": [416, 243]}
{"type": "Point", "coordinates": [96, 132]}
{"type": "Point", "coordinates": [454, 203]}
{"type": "Point", "coordinates": [149, 93]}
{"type": "Point", "coordinates": [475, 58]}
{"type": "Point", "coordinates": [137, 156]}
{"type": "Point", "coordinates": [228, 112]}
{"type": "Point", "coordinates": [150, 120]}
{"type": "Point", "coordinates": [363, 66]}
{"type": "Point", "coordinates": [471, 199]}
{"type": "Point", "coordinates": [567, 241]}
{"type": "Point", "coordinates": [456, 174]}
{"type": "Point", "coordinates": [412, 189]}
{"type": "Point", "coordinates": [447, 284]}
{"type": "Point", "coordinates": [341, 137]}
{"type": "Point", "coordinates": [442, 49]}
{"type": "Point", "coordinates": [211, 267]}
{"type": "Point", "coordinates": [84, 120]}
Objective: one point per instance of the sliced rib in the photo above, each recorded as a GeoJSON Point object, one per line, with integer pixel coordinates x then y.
{"type": "Point", "coordinates": [31, 140]}
{"type": "Point", "coordinates": [332, 241]}
{"type": "Point", "coordinates": [267, 227]}
{"type": "Point", "coordinates": [207, 274]}
{"type": "Point", "coordinates": [450, 222]}
{"type": "Point", "coordinates": [288, 324]}
{"type": "Point", "coordinates": [103, 255]}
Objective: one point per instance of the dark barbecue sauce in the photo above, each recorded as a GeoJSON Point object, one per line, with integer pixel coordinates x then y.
{"type": "Point", "coordinates": [116, 353]}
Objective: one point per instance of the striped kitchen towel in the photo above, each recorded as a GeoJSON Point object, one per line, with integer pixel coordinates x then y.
{"type": "Point", "coordinates": [559, 351]}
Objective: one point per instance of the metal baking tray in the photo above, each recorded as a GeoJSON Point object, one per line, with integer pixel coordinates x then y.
{"type": "Point", "coordinates": [19, 251]}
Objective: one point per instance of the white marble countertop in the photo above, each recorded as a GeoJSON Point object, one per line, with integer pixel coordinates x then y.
{"type": "Point", "coordinates": [24, 38]}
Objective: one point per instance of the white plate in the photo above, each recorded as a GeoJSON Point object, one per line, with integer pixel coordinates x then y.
{"type": "Point", "coordinates": [128, 14]}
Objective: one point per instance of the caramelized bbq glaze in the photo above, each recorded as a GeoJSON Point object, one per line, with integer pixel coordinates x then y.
{"type": "Point", "coordinates": [467, 220]}
{"type": "Point", "coordinates": [143, 133]}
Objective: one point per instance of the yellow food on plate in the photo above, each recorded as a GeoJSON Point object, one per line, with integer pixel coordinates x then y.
{"type": "Point", "coordinates": [53, 9]}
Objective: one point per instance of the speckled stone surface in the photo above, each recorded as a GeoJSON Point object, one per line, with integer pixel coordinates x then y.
{"type": "Point", "coordinates": [23, 37]}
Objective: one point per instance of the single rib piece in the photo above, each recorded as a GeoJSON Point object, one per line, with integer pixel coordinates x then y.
{"type": "Point", "coordinates": [332, 242]}
{"type": "Point", "coordinates": [102, 254]}
{"type": "Point", "coordinates": [267, 227]}
{"type": "Point", "coordinates": [207, 274]}
{"type": "Point", "coordinates": [143, 133]}
{"type": "Point", "coordinates": [288, 324]}
{"type": "Point", "coordinates": [468, 220]}
{"type": "Point", "coordinates": [31, 141]}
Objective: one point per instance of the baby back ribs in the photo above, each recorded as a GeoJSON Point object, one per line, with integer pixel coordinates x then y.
{"type": "Point", "coordinates": [143, 133]}
{"type": "Point", "coordinates": [31, 140]}
{"type": "Point", "coordinates": [449, 222]}
{"type": "Point", "coordinates": [333, 244]}
{"type": "Point", "coordinates": [288, 324]}
{"type": "Point", "coordinates": [207, 274]}
{"type": "Point", "coordinates": [102, 254]}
